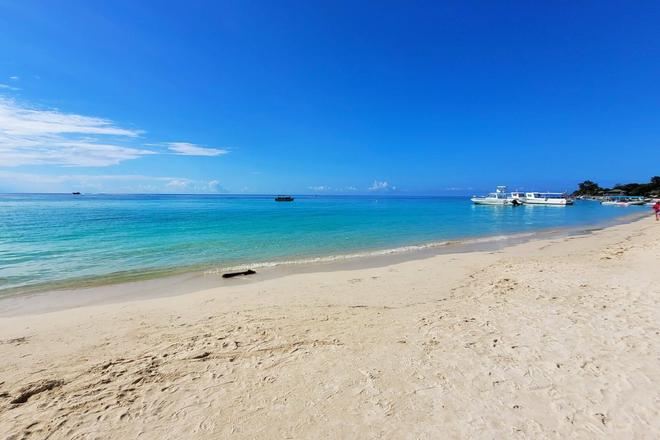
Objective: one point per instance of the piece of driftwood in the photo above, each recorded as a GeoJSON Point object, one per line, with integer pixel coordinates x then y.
{"type": "Point", "coordinates": [236, 274]}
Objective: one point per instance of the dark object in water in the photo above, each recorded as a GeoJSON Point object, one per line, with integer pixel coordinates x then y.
{"type": "Point", "coordinates": [236, 274]}
{"type": "Point", "coordinates": [284, 199]}
{"type": "Point", "coordinates": [75, 193]}
{"type": "Point", "coordinates": [516, 202]}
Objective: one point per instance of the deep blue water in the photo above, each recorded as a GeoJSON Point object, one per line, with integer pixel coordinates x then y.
{"type": "Point", "coordinates": [59, 238]}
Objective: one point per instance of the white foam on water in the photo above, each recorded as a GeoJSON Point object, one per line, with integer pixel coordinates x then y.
{"type": "Point", "coordinates": [357, 255]}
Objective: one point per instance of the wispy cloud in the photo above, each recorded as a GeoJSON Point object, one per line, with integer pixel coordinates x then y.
{"type": "Point", "coordinates": [381, 185]}
{"type": "Point", "coordinates": [19, 120]}
{"type": "Point", "coordinates": [332, 189]}
{"type": "Point", "coordinates": [14, 78]}
{"type": "Point", "coordinates": [457, 188]}
{"type": "Point", "coordinates": [188, 149]}
{"type": "Point", "coordinates": [8, 87]}
{"type": "Point", "coordinates": [178, 183]}
{"type": "Point", "coordinates": [126, 183]}
{"type": "Point", "coordinates": [32, 136]}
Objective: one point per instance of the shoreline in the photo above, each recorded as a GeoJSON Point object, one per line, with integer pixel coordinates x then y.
{"type": "Point", "coordinates": [548, 338]}
{"type": "Point", "coordinates": [122, 287]}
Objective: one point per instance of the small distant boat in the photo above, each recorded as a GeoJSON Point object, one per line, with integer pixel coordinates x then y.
{"type": "Point", "coordinates": [75, 193]}
{"type": "Point", "coordinates": [284, 199]}
{"type": "Point", "coordinates": [614, 203]}
{"type": "Point", "coordinates": [554, 199]}
{"type": "Point", "coordinates": [622, 200]}
{"type": "Point", "coordinates": [499, 197]}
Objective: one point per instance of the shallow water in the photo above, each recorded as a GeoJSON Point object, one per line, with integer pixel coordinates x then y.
{"type": "Point", "coordinates": [65, 240]}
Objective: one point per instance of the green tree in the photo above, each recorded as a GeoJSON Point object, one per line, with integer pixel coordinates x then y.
{"type": "Point", "coordinates": [588, 188]}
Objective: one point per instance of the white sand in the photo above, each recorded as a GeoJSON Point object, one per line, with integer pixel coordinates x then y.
{"type": "Point", "coordinates": [549, 339]}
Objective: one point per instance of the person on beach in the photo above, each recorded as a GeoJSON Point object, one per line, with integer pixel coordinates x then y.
{"type": "Point", "coordinates": [656, 208]}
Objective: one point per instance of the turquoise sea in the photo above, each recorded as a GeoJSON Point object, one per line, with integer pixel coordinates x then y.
{"type": "Point", "coordinates": [49, 241]}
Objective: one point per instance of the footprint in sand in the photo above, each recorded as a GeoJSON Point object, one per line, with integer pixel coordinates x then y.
{"type": "Point", "coordinates": [15, 341]}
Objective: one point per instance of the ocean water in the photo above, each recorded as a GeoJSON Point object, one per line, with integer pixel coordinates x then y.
{"type": "Point", "coordinates": [51, 241]}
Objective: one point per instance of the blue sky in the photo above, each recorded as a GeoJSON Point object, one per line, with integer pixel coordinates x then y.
{"type": "Point", "coordinates": [327, 97]}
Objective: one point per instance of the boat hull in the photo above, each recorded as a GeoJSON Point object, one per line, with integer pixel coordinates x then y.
{"type": "Point", "coordinates": [550, 202]}
{"type": "Point", "coordinates": [495, 202]}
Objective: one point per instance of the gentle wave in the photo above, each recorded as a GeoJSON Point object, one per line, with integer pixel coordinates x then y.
{"type": "Point", "coordinates": [366, 254]}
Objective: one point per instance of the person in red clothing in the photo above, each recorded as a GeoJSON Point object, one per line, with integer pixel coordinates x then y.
{"type": "Point", "coordinates": [656, 208]}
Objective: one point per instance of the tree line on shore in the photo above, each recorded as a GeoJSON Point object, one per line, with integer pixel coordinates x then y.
{"type": "Point", "coordinates": [590, 188]}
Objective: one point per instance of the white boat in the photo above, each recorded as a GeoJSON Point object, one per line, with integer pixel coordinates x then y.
{"type": "Point", "coordinates": [622, 201]}
{"type": "Point", "coordinates": [547, 198]}
{"type": "Point", "coordinates": [499, 197]}
{"type": "Point", "coordinates": [517, 196]}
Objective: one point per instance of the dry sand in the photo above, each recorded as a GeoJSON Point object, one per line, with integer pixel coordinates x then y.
{"type": "Point", "coordinates": [556, 338]}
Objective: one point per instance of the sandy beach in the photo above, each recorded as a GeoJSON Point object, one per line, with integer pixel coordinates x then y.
{"type": "Point", "coordinates": [553, 338]}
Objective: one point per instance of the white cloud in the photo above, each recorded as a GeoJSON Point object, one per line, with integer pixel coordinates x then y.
{"type": "Point", "coordinates": [457, 188]}
{"type": "Point", "coordinates": [18, 120]}
{"type": "Point", "coordinates": [30, 136]}
{"type": "Point", "coordinates": [8, 87]}
{"type": "Point", "coordinates": [337, 190]}
{"type": "Point", "coordinates": [50, 137]}
{"type": "Point", "coordinates": [120, 183]}
{"type": "Point", "coordinates": [194, 186]}
{"type": "Point", "coordinates": [188, 149]}
{"type": "Point", "coordinates": [178, 183]}
{"type": "Point", "coordinates": [14, 78]}
{"type": "Point", "coordinates": [380, 186]}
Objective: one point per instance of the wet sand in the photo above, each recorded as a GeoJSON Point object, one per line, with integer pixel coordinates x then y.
{"type": "Point", "coordinates": [552, 338]}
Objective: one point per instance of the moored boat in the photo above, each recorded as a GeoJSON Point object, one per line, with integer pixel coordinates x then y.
{"type": "Point", "coordinates": [517, 196]}
{"type": "Point", "coordinates": [620, 200]}
{"type": "Point", "coordinates": [547, 198]}
{"type": "Point", "coordinates": [284, 199]}
{"type": "Point", "coordinates": [499, 197]}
